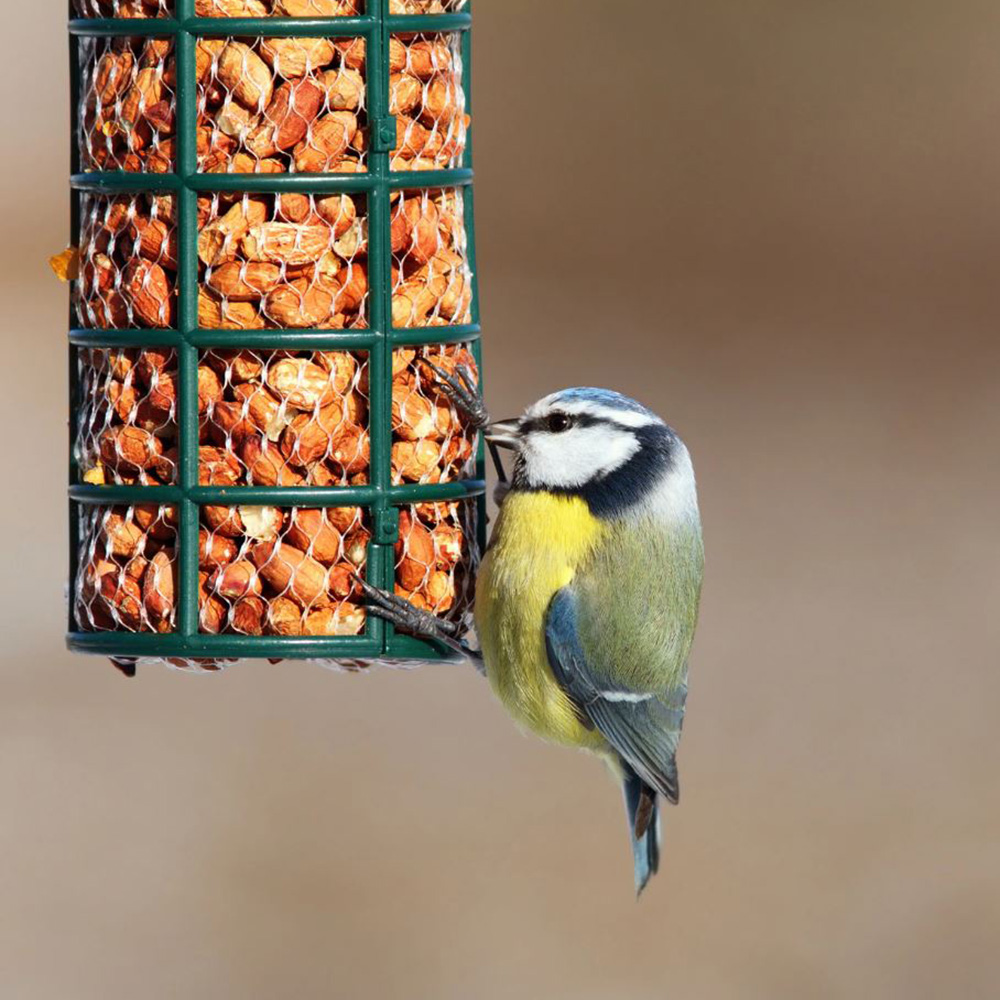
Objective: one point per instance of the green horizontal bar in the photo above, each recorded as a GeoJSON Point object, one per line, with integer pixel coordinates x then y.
{"type": "Point", "coordinates": [276, 496]}
{"type": "Point", "coordinates": [283, 496]}
{"type": "Point", "coordinates": [273, 27]}
{"type": "Point", "coordinates": [288, 340]}
{"type": "Point", "coordinates": [330, 27]}
{"type": "Point", "coordinates": [463, 489]}
{"type": "Point", "coordinates": [123, 182]}
{"type": "Point", "coordinates": [277, 340]}
{"type": "Point", "coordinates": [212, 647]}
{"type": "Point", "coordinates": [281, 183]}
{"type": "Point", "coordinates": [128, 495]}
{"type": "Point", "coordinates": [125, 338]}
{"type": "Point", "coordinates": [428, 336]}
{"type": "Point", "coordinates": [427, 22]}
{"type": "Point", "coordinates": [136, 27]}
{"type": "Point", "coordinates": [406, 647]}
{"type": "Point", "coordinates": [407, 179]}
{"type": "Point", "coordinates": [120, 182]}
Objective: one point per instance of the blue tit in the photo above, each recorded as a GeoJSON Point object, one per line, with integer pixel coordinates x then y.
{"type": "Point", "coordinates": [587, 598]}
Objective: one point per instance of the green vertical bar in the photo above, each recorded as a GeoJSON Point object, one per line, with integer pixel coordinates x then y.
{"type": "Point", "coordinates": [187, 321]}
{"type": "Point", "coordinates": [469, 204]}
{"type": "Point", "coordinates": [381, 570]}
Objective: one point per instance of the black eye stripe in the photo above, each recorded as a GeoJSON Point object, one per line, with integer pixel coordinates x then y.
{"type": "Point", "coordinates": [575, 420]}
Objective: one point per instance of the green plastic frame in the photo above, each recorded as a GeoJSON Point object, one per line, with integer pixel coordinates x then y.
{"type": "Point", "coordinates": [381, 498]}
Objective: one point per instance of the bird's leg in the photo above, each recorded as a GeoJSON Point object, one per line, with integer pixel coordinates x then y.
{"type": "Point", "coordinates": [462, 390]}
{"type": "Point", "coordinates": [400, 613]}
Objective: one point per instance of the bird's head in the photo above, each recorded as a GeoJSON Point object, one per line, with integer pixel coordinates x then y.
{"type": "Point", "coordinates": [603, 447]}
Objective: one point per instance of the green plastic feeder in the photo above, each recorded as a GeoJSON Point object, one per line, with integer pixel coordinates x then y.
{"type": "Point", "coordinates": [185, 638]}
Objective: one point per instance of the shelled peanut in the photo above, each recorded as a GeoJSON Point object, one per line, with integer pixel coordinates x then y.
{"type": "Point", "coordinates": [127, 421]}
{"type": "Point", "coordinates": [128, 262]}
{"type": "Point", "coordinates": [433, 441]}
{"type": "Point", "coordinates": [431, 276]}
{"type": "Point", "coordinates": [272, 571]}
{"type": "Point", "coordinates": [290, 261]}
{"type": "Point", "coordinates": [270, 105]}
{"type": "Point", "coordinates": [426, 6]}
{"type": "Point", "coordinates": [128, 104]}
{"type": "Point", "coordinates": [266, 262]}
{"type": "Point", "coordinates": [124, 8]}
{"type": "Point", "coordinates": [279, 8]}
{"type": "Point", "coordinates": [427, 97]}
{"type": "Point", "coordinates": [283, 418]}
{"type": "Point", "coordinates": [279, 105]}
{"type": "Point", "coordinates": [242, 8]}
{"type": "Point", "coordinates": [435, 559]}
{"type": "Point", "coordinates": [259, 8]}
{"type": "Point", "coordinates": [127, 581]}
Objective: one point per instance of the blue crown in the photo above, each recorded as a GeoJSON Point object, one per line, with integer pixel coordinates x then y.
{"type": "Point", "coordinates": [602, 397]}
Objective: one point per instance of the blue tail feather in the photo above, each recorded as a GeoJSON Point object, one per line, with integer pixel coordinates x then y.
{"type": "Point", "coordinates": [643, 812]}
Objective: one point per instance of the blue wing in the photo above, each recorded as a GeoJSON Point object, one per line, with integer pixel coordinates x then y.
{"type": "Point", "coordinates": [644, 727]}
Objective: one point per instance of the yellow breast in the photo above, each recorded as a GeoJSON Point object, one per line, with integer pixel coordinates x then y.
{"type": "Point", "coordinates": [539, 541]}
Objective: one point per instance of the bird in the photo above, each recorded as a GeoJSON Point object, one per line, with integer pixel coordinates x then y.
{"type": "Point", "coordinates": [588, 596]}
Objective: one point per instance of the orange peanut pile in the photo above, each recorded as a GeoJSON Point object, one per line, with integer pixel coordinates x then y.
{"type": "Point", "coordinates": [127, 422]}
{"type": "Point", "coordinates": [431, 276]}
{"type": "Point", "coordinates": [284, 418]}
{"type": "Point", "coordinates": [263, 570]}
{"type": "Point", "coordinates": [432, 439]}
{"type": "Point", "coordinates": [270, 105]}
{"type": "Point", "coordinates": [259, 8]}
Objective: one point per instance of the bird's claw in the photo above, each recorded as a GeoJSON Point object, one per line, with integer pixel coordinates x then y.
{"type": "Point", "coordinates": [400, 613]}
{"type": "Point", "coordinates": [462, 390]}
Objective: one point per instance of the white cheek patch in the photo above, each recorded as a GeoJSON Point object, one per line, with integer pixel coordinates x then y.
{"type": "Point", "coordinates": [575, 457]}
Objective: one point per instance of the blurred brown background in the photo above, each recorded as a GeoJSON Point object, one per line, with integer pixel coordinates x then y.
{"type": "Point", "coordinates": [777, 223]}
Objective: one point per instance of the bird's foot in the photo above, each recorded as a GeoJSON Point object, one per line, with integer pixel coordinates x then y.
{"type": "Point", "coordinates": [400, 613]}
{"type": "Point", "coordinates": [462, 390]}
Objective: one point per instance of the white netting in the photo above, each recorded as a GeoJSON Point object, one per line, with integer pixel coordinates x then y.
{"type": "Point", "coordinates": [433, 441]}
{"type": "Point", "coordinates": [127, 421]}
{"type": "Point", "coordinates": [128, 262]}
{"type": "Point", "coordinates": [437, 557]}
{"type": "Point", "coordinates": [427, 96]}
{"type": "Point", "coordinates": [284, 418]}
{"type": "Point", "coordinates": [124, 8]}
{"type": "Point", "coordinates": [426, 6]}
{"type": "Point", "coordinates": [128, 104]}
{"type": "Point", "coordinates": [290, 261]}
{"type": "Point", "coordinates": [281, 105]}
{"type": "Point", "coordinates": [260, 8]}
{"type": "Point", "coordinates": [431, 275]}
{"type": "Point", "coordinates": [282, 572]}
{"type": "Point", "coordinates": [279, 8]}
{"type": "Point", "coordinates": [127, 577]}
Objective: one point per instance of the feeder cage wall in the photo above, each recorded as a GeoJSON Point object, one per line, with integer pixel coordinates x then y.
{"type": "Point", "coordinates": [272, 201]}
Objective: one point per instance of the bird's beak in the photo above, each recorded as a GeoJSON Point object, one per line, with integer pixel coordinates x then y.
{"type": "Point", "coordinates": [505, 434]}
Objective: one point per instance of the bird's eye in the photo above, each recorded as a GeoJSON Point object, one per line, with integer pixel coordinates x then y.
{"type": "Point", "coordinates": [559, 422]}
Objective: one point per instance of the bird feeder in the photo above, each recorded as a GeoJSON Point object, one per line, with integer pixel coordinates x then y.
{"type": "Point", "coordinates": [272, 206]}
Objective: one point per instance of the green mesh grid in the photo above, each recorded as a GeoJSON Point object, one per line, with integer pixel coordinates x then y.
{"type": "Point", "coordinates": [384, 497]}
